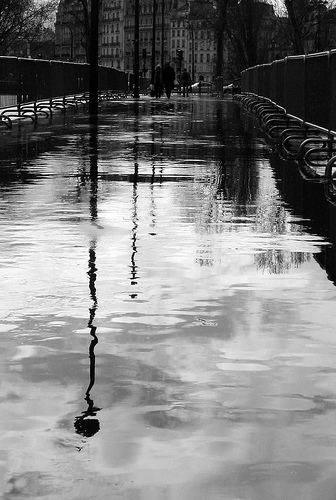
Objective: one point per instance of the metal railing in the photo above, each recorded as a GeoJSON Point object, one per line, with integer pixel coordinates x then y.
{"type": "Point", "coordinates": [304, 86]}
{"type": "Point", "coordinates": [295, 99]}
{"type": "Point", "coordinates": [50, 84]}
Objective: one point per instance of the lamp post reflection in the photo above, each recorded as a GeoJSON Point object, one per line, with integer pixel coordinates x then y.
{"type": "Point", "coordinates": [134, 267]}
{"type": "Point", "coordinates": [85, 424]}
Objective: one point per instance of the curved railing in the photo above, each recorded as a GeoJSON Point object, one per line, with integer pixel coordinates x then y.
{"type": "Point", "coordinates": [303, 86]}
{"type": "Point", "coordinates": [295, 101]}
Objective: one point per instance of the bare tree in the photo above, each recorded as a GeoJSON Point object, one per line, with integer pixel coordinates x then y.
{"type": "Point", "coordinates": [39, 25]}
{"type": "Point", "coordinates": [23, 20]}
{"type": "Point", "coordinates": [11, 17]}
{"type": "Point", "coordinates": [214, 15]}
{"type": "Point", "coordinates": [250, 30]}
{"type": "Point", "coordinates": [305, 24]}
{"type": "Point", "coordinates": [78, 19]}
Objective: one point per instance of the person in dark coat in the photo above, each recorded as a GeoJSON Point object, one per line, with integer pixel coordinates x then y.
{"type": "Point", "coordinates": [157, 81]}
{"type": "Point", "coordinates": [168, 78]}
{"type": "Point", "coordinates": [186, 82]}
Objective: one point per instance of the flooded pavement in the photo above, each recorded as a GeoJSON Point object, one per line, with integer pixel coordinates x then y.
{"type": "Point", "coordinates": [168, 311]}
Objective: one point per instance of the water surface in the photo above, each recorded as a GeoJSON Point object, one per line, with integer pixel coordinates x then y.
{"type": "Point", "coordinates": [167, 296]}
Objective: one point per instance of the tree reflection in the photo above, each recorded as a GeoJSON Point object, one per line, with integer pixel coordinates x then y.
{"type": "Point", "coordinates": [278, 261]}
{"type": "Point", "coordinates": [240, 194]}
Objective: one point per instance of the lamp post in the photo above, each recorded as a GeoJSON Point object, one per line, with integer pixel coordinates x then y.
{"type": "Point", "coordinates": [153, 37]}
{"type": "Point", "coordinates": [144, 57]}
{"type": "Point", "coordinates": [93, 85]}
{"type": "Point", "coordinates": [63, 32]}
{"type": "Point", "coordinates": [190, 28]}
{"type": "Point", "coordinates": [136, 49]}
{"type": "Point", "coordinates": [319, 4]}
{"type": "Point", "coordinates": [162, 34]}
{"type": "Point", "coordinates": [192, 53]}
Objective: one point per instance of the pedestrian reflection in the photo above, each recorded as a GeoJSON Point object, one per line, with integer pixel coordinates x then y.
{"type": "Point", "coordinates": [85, 424]}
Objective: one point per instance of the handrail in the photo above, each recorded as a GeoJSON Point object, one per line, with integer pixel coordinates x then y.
{"type": "Point", "coordinates": [303, 85]}
{"type": "Point", "coordinates": [35, 80]}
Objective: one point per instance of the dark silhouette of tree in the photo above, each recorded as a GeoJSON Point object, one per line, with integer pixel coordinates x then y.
{"type": "Point", "coordinates": [305, 24]}
{"type": "Point", "coordinates": [251, 27]}
{"type": "Point", "coordinates": [214, 16]}
{"type": "Point", "coordinates": [23, 20]}
{"type": "Point", "coordinates": [76, 14]}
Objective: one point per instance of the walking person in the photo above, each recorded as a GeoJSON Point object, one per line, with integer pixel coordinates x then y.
{"type": "Point", "coordinates": [186, 82]}
{"type": "Point", "coordinates": [168, 79]}
{"type": "Point", "coordinates": [157, 82]}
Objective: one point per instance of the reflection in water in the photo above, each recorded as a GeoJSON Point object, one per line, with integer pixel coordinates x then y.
{"type": "Point", "coordinates": [92, 273]}
{"type": "Point", "coordinates": [278, 261]}
{"type": "Point", "coordinates": [134, 267]}
{"type": "Point", "coordinates": [308, 203]}
{"type": "Point", "coordinates": [85, 424]}
{"type": "Point", "coordinates": [219, 382]}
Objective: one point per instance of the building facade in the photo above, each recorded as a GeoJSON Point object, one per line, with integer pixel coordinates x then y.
{"type": "Point", "coordinates": [112, 26]}
{"type": "Point", "coordinates": [179, 37]}
{"type": "Point", "coordinates": [153, 25]}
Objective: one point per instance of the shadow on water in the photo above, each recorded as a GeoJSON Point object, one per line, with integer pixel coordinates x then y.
{"type": "Point", "coordinates": [85, 424]}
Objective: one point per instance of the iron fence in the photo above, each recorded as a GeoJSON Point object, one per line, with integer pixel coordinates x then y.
{"type": "Point", "coordinates": [303, 86]}
{"type": "Point", "coordinates": [30, 80]}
